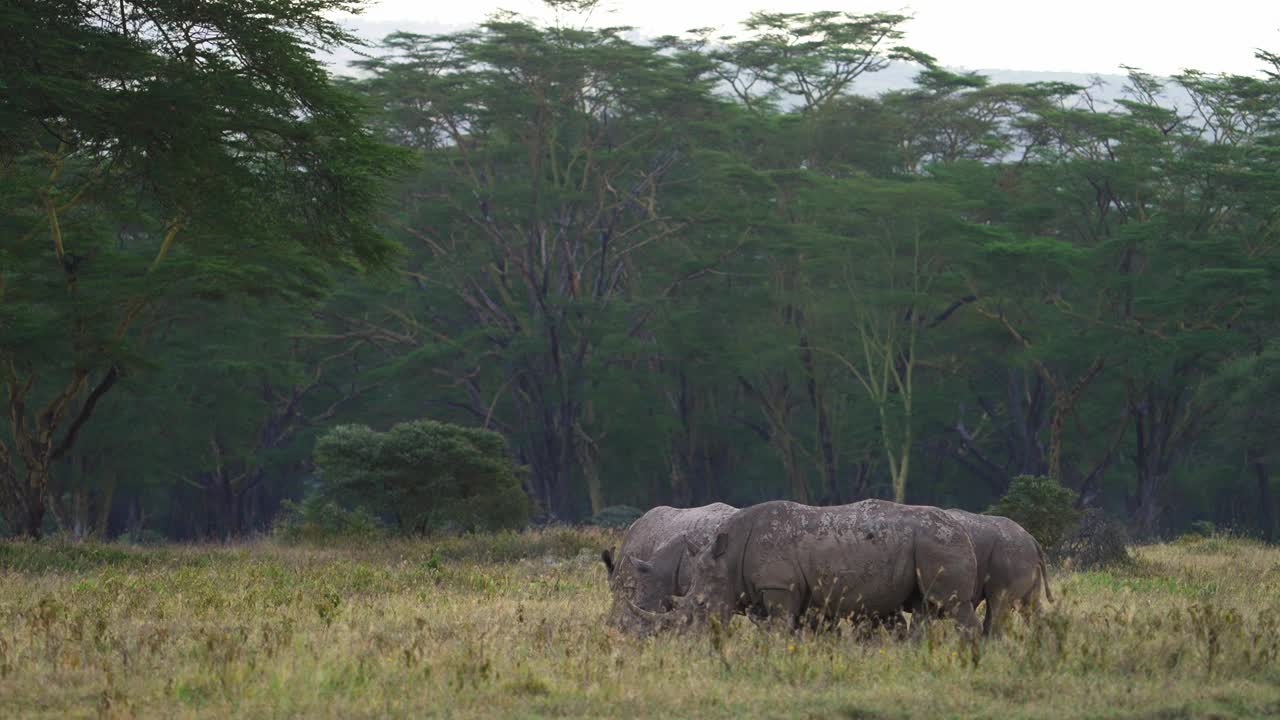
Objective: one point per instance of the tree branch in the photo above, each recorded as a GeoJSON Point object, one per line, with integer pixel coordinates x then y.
{"type": "Point", "coordinates": [941, 317]}
{"type": "Point", "coordinates": [86, 410]}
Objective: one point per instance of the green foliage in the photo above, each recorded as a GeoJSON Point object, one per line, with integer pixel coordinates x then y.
{"type": "Point", "coordinates": [1203, 528]}
{"type": "Point", "coordinates": [558, 543]}
{"type": "Point", "coordinates": [670, 272]}
{"type": "Point", "coordinates": [426, 474]}
{"type": "Point", "coordinates": [1098, 540]}
{"type": "Point", "coordinates": [1041, 505]}
{"type": "Point", "coordinates": [158, 159]}
{"type": "Point", "coordinates": [616, 516]}
{"type": "Point", "coordinates": [317, 519]}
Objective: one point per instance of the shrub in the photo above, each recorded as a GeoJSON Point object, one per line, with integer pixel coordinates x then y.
{"type": "Point", "coordinates": [1098, 540]}
{"type": "Point", "coordinates": [427, 475]}
{"type": "Point", "coordinates": [1040, 505]}
{"type": "Point", "coordinates": [561, 543]}
{"type": "Point", "coordinates": [317, 518]}
{"type": "Point", "coordinates": [142, 536]}
{"type": "Point", "coordinates": [616, 516]}
{"type": "Point", "coordinates": [1204, 528]}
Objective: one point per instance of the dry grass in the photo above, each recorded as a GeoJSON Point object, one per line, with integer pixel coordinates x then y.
{"type": "Point", "coordinates": [509, 626]}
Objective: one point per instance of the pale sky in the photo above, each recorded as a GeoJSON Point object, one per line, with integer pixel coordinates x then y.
{"type": "Point", "coordinates": [1091, 36]}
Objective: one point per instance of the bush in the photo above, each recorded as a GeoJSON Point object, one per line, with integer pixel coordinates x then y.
{"type": "Point", "coordinates": [316, 518]}
{"type": "Point", "coordinates": [1203, 528]}
{"type": "Point", "coordinates": [561, 543]}
{"type": "Point", "coordinates": [1040, 505]}
{"type": "Point", "coordinates": [616, 516]}
{"type": "Point", "coordinates": [427, 475]}
{"type": "Point", "coordinates": [142, 536]}
{"type": "Point", "coordinates": [1099, 540]}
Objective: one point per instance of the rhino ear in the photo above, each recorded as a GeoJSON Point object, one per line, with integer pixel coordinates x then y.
{"type": "Point", "coordinates": [606, 556]}
{"type": "Point", "coordinates": [643, 567]}
{"type": "Point", "coordinates": [720, 546]}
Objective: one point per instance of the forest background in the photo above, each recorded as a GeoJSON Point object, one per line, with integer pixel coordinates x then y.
{"type": "Point", "coordinates": [699, 268]}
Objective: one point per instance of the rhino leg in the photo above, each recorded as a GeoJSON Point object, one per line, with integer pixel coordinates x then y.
{"type": "Point", "coordinates": [945, 578]}
{"type": "Point", "coordinates": [783, 604]}
{"type": "Point", "coordinates": [997, 611]}
{"type": "Point", "coordinates": [1030, 603]}
{"type": "Point", "coordinates": [822, 620]}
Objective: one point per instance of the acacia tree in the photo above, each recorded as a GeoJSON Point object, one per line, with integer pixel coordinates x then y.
{"type": "Point", "coordinates": [547, 153]}
{"type": "Point", "coordinates": [895, 250]}
{"type": "Point", "coordinates": [1146, 250]}
{"type": "Point", "coordinates": [152, 151]}
{"type": "Point", "coordinates": [1240, 384]}
{"type": "Point", "coordinates": [811, 58]}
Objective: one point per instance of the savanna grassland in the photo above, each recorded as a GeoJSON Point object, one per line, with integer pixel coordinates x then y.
{"type": "Point", "coordinates": [509, 626]}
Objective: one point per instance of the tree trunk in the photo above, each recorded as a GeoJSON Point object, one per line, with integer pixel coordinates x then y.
{"type": "Point", "coordinates": [36, 444]}
{"type": "Point", "coordinates": [1148, 458]}
{"type": "Point", "coordinates": [826, 446]}
{"type": "Point", "coordinates": [900, 471]}
{"type": "Point", "coordinates": [680, 448]}
{"type": "Point", "coordinates": [550, 449]}
{"type": "Point", "coordinates": [1146, 518]}
{"type": "Point", "coordinates": [775, 403]}
{"type": "Point", "coordinates": [1026, 396]}
{"type": "Point", "coordinates": [104, 499]}
{"type": "Point", "coordinates": [33, 524]}
{"type": "Point", "coordinates": [681, 492]}
{"type": "Point", "coordinates": [717, 462]}
{"type": "Point", "coordinates": [590, 471]}
{"type": "Point", "coordinates": [1064, 403]}
{"type": "Point", "coordinates": [1142, 508]}
{"type": "Point", "coordinates": [35, 484]}
{"type": "Point", "coordinates": [1165, 422]}
{"type": "Point", "coordinates": [795, 476]}
{"type": "Point", "coordinates": [861, 486]}
{"type": "Point", "coordinates": [80, 522]}
{"type": "Point", "coordinates": [228, 507]}
{"type": "Point", "coordinates": [1266, 505]}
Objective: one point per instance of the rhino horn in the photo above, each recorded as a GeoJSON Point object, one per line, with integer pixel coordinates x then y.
{"type": "Point", "coordinates": [657, 621]}
{"type": "Point", "coordinates": [649, 615]}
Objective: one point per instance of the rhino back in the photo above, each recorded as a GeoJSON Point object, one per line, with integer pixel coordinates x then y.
{"type": "Point", "coordinates": [662, 523]}
{"type": "Point", "coordinates": [845, 558]}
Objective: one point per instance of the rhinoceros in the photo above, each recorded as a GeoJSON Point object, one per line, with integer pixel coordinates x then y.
{"type": "Point", "coordinates": [636, 576]}
{"type": "Point", "coordinates": [869, 559]}
{"type": "Point", "coordinates": [1011, 566]}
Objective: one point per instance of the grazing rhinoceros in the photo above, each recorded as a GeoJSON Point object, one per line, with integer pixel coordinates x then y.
{"type": "Point", "coordinates": [635, 576]}
{"type": "Point", "coordinates": [870, 559]}
{"type": "Point", "coordinates": [1011, 566]}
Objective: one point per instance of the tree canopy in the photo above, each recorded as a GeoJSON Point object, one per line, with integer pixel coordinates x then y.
{"type": "Point", "coordinates": [675, 271]}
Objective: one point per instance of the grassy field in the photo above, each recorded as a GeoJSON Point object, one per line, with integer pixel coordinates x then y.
{"type": "Point", "coordinates": [509, 626]}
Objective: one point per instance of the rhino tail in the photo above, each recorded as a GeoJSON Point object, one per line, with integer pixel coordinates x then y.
{"type": "Point", "coordinates": [1044, 572]}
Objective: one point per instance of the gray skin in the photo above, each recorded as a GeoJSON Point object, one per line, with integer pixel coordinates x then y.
{"type": "Point", "coordinates": [870, 559]}
{"type": "Point", "coordinates": [668, 571]}
{"type": "Point", "coordinates": [633, 575]}
{"type": "Point", "coordinates": [1011, 567]}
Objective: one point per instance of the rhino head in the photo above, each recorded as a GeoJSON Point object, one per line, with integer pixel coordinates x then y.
{"type": "Point", "coordinates": [665, 574]}
{"type": "Point", "coordinates": [710, 592]}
